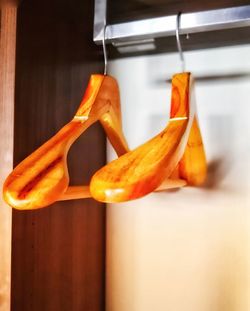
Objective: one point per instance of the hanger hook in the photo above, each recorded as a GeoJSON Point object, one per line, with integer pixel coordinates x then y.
{"type": "Point", "coordinates": [104, 49]}
{"type": "Point", "coordinates": [179, 42]}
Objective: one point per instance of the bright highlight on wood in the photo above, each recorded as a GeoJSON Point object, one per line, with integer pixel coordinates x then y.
{"type": "Point", "coordinates": [143, 170]}
{"type": "Point", "coordinates": [42, 178]}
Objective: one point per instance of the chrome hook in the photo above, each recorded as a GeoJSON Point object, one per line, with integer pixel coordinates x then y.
{"type": "Point", "coordinates": [104, 50]}
{"type": "Point", "coordinates": [179, 42]}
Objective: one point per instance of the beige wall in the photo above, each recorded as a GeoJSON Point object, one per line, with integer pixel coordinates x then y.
{"type": "Point", "coordinates": [187, 249]}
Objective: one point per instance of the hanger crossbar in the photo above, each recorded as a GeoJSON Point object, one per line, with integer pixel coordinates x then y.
{"type": "Point", "coordinates": [165, 26]}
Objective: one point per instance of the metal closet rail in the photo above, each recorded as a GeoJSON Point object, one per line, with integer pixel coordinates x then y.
{"type": "Point", "coordinates": [149, 29]}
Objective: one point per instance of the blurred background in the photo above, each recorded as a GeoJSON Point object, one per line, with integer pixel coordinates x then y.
{"type": "Point", "coordinates": [186, 249]}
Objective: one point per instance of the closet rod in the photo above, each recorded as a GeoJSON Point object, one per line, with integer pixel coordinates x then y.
{"type": "Point", "coordinates": [165, 26]}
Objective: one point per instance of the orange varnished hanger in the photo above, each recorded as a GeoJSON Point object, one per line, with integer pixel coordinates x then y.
{"type": "Point", "coordinates": [177, 152]}
{"type": "Point", "coordinates": [193, 165]}
{"type": "Point", "coordinates": [144, 169]}
{"type": "Point", "coordinates": [42, 178]}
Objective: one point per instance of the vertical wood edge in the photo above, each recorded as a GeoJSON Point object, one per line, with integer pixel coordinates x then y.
{"type": "Point", "coordinates": [7, 84]}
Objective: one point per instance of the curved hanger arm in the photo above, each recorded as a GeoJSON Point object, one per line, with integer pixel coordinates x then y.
{"type": "Point", "coordinates": [144, 169]}
{"type": "Point", "coordinates": [42, 178]}
{"type": "Point", "coordinates": [83, 192]}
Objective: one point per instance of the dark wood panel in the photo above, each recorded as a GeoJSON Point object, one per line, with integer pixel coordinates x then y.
{"type": "Point", "coordinates": [120, 10]}
{"type": "Point", "coordinates": [58, 252]}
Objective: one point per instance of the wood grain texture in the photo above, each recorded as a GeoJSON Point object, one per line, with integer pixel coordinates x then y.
{"type": "Point", "coordinates": [142, 170]}
{"type": "Point", "coordinates": [42, 178]}
{"type": "Point", "coordinates": [58, 252]}
{"type": "Point", "coordinates": [7, 80]}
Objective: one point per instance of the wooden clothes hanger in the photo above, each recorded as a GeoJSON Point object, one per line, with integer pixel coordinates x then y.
{"type": "Point", "coordinates": [193, 165]}
{"type": "Point", "coordinates": [177, 152]}
{"type": "Point", "coordinates": [143, 170]}
{"type": "Point", "coordinates": [42, 178]}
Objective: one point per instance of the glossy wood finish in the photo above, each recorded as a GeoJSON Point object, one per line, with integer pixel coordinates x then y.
{"type": "Point", "coordinates": [142, 170]}
{"type": "Point", "coordinates": [42, 178]}
{"type": "Point", "coordinates": [8, 13]}
{"type": "Point", "coordinates": [58, 253]}
{"type": "Point", "coordinates": [175, 152]}
{"type": "Point", "coordinates": [193, 165]}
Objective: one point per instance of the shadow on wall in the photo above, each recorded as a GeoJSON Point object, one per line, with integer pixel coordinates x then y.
{"type": "Point", "coordinates": [217, 171]}
{"type": "Point", "coordinates": [219, 128]}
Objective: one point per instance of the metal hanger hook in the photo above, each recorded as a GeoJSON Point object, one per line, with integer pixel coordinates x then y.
{"type": "Point", "coordinates": [178, 17]}
{"type": "Point", "coordinates": [104, 49]}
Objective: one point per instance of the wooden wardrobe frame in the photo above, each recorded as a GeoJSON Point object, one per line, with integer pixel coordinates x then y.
{"type": "Point", "coordinates": [8, 12]}
{"type": "Point", "coordinates": [56, 256]}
